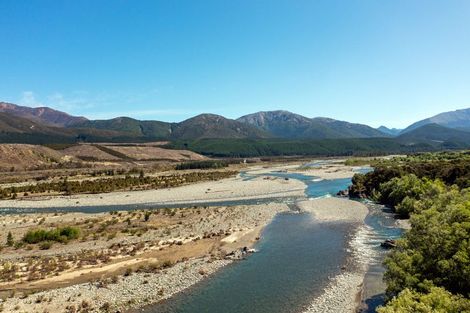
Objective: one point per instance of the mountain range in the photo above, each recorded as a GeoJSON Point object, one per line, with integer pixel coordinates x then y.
{"type": "Point", "coordinates": [284, 124]}
{"type": "Point", "coordinates": [45, 125]}
{"type": "Point", "coordinates": [459, 119]}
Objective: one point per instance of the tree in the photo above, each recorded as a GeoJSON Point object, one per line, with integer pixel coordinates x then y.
{"type": "Point", "coordinates": [436, 251]}
{"type": "Point", "coordinates": [438, 300]}
{"type": "Point", "coordinates": [147, 216]}
{"type": "Point", "coordinates": [10, 240]}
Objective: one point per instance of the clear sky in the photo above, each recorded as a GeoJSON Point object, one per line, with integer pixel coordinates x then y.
{"type": "Point", "coordinates": [367, 61]}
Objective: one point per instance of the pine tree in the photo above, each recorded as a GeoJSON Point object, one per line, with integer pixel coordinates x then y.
{"type": "Point", "coordinates": [10, 240]}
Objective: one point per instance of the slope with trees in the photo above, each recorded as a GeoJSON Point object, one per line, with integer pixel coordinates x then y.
{"type": "Point", "coordinates": [429, 271]}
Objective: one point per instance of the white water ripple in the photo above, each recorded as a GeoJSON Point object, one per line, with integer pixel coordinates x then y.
{"type": "Point", "coordinates": [341, 293]}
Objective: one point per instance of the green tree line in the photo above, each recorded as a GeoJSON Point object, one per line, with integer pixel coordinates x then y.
{"type": "Point", "coordinates": [429, 271]}
{"type": "Point", "coordinates": [103, 185]}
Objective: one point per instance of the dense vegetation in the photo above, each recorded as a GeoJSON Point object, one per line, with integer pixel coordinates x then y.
{"type": "Point", "coordinates": [60, 234]}
{"type": "Point", "coordinates": [286, 147]}
{"type": "Point", "coordinates": [436, 300]}
{"type": "Point", "coordinates": [102, 185]}
{"type": "Point", "coordinates": [429, 271]}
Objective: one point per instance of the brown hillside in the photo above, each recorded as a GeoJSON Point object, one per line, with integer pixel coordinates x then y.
{"type": "Point", "coordinates": [143, 153]}
{"type": "Point", "coordinates": [22, 156]}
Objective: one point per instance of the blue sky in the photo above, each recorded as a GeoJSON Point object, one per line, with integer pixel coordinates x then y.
{"type": "Point", "coordinates": [369, 61]}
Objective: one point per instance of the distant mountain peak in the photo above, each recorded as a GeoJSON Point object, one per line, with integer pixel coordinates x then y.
{"type": "Point", "coordinates": [42, 115]}
{"type": "Point", "coordinates": [389, 131]}
{"type": "Point", "coordinates": [436, 134]}
{"type": "Point", "coordinates": [207, 116]}
{"type": "Point", "coordinates": [285, 124]}
{"type": "Point", "coordinates": [458, 119]}
{"type": "Point", "coordinates": [215, 126]}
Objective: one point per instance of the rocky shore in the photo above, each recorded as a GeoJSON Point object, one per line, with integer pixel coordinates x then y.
{"type": "Point", "coordinates": [132, 291]}
{"type": "Point", "coordinates": [177, 249]}
{"type": "Point", "coordinates": [342, 293]}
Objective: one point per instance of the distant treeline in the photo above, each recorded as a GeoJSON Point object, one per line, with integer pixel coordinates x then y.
{"type": "Point", "coordinates": [452, 168]}
{"type": "Point", "coordinates": [240, 148]}
{"type": "Point", "coordinates": [429, 271]}
{"type": "Point", "coordinates": [209, 164]}
{"type": "Point", "coordinates": [244, 147]}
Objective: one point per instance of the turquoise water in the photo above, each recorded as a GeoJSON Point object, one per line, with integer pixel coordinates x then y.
{"type": "Point", "coordinates": [130, 207]}
{"type": "Point", "coordinates": [315, 186]}
{"type": "Point", "coordinates": [295, 259]}
{"type": "Point", "coordinates": [314, 189]}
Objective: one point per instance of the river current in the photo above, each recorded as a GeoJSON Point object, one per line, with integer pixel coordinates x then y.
{"type": "Point", "coordinates": [297, 258]}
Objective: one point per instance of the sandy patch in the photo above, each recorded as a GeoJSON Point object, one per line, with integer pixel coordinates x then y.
{"type": "Point", "coordinates": [332, 169]}
{"type": "Point", "coordinates": [328, 171]}
{"type": "Point", "coordinates": [335, 209]}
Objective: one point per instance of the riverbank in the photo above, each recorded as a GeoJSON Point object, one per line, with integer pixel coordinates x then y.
{"type": "Point", "coordinates": [342, 295]}
{"type": "Point", "coordinates": [171, 252]}
{"type": "Point", "coordinates": [333, 209]}
{"type": "Point", "coordinates": [177, 249]}
{"type": "Point", "coordinates": [331, 169]}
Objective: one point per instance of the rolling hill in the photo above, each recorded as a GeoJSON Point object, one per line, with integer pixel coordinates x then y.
{"type": "Point", "coordinates": [43, 115]}
{"type": "Point", "coordinates": [14, 129]}
{"type": "Point", "coordinates": [130, 127]}
{"type": "Point", "coordinates": [262, 133]}
{"type": "Point", "coordinates": [459, 119]}
{"type": "Point", "coordinates": [435, 134]}
{"type": "Point", "coordinates": [389, 131]}
{"type": "Point", "coordinates": [215, 126]}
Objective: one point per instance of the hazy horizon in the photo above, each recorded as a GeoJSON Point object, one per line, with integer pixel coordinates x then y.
{"type": "Point", "coordinates": [375, 63]}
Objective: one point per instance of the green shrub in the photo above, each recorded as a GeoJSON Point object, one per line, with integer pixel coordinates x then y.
{"type": "Point", "coordinates": [147, 216]}
{"type": "Point", "coordinates": [10, 240]}
{"type": "Point", "coordinates": [45, 245]}
{"type": "Point", "coordinates": [63, 235]}
{"type": "Point", "coordinates": [437, 300]}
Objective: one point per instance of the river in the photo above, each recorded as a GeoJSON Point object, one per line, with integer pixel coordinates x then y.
{"type": "Point", "coordinates": [297, 258]}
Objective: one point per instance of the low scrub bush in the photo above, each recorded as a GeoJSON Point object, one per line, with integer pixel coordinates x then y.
{"type": "Point", "coordinates": [60, 234]}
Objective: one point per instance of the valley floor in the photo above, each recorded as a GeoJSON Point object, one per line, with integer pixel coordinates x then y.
{"type": "Point", "coordinates": [127, 259]}
{"type": "Point", "coordinates": [231, 189]}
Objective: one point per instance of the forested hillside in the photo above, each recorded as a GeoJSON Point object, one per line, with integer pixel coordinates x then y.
{"type": "Point", "coordinates": [286, 147]}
